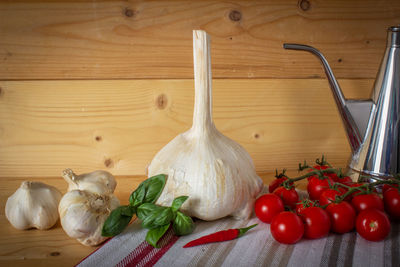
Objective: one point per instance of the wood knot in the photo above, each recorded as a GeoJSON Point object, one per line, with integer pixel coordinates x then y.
{"type": "Point", "coordinates": [98, 138]}
{"type": "Point", "coordinates": [129, 12]}
{"type": "Point", "coordinates": [367, 42]}
{"type": "Point", "coordinates": [55, 253]}
{"type": "Point", "coordinates": [305, 5]}
{"type": "Point", "coordinates": [109, 163]}
{"type": "Point", "coordinates": [339, 60]}
{"type": "Point", "coordinates": [161, 101]}
{"type": "Point", "coordinates": [235, 15]}
{"type": "Point", "coordinates": [256, 136]}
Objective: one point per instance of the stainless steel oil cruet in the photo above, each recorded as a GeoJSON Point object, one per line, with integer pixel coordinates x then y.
{"type": "Point", "coordinates": [373, 125]}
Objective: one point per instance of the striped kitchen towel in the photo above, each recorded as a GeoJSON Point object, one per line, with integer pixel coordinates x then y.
{"type": "Point", "coordinates": [256, 248]}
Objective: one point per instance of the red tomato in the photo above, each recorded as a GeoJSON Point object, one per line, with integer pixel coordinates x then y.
{"type": "Point", "coordinates": [333, 176]}
{"type": "Point", "coordinates": [287, 228]}
{"type": "Point", "coordinates": [329, 195]}
{"type": "Point", "coordinates": [343, 217]}
{"type": "Point", "coordinates": [289, 196]}
{"type": "Point", "coordinates": [373, 225]}
{"type": "Point", "coordinates": [267, 206]}
{"type": "Point", "coordinates": [344, 180]}
{"type": "Point", "coordinates": [391, 199]}
{"type": "Point", "coordinates": [300, 207]}
{"type": "Point", "coordinates": [357, 191]}
{"type": "Point", "coordinates": [316, 222]}
{"type": "Point", "coordinates": [318, 167]}
{"type": "Point", "coordinates": [387, 186]}
{"type": "Point", "coordinates": [316, 186]}
{"type": "Point", "coordinates": [367, 201]}
{"type": "Point", "coordinates": [276, 183]}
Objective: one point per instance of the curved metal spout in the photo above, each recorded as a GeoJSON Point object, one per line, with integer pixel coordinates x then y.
{"type": "Point", "coordinates": [355, 127]}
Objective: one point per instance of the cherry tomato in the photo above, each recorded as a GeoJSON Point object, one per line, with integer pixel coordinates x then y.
{"type": "Point", "coordinates": [356, 192]}
{"type": "Point", "coordinates": [367, 201]}
{"type": "Point", "coordinates": [316, 222]}
{"type": "Point", "coordinates": [276, 183]}
{"type": "Point", "coordinates": [373, 225]}
{"type": "Point", "coordinates": [343, 217]}
{"type": "Point", "coordinates": [391, 199]}
{"type": "Point", "coordinates": [300, 207]}
{"type": "Point", "coordinates": [318, 167]}
{"type": "Point", "coordinates": [289, 196]}
{"type": "Point", "coordinates": [316, 186]}
{"type": "Point", "coordinates": [268, 206]}
{"type": "Point", "coordinates": [344, 180]}
{"type": "Point", "coordinates": [287, 227]}
{"type": "Point", "coordinates": [329, 195]}
{"type": "Point", "coordinates": [387, 186]}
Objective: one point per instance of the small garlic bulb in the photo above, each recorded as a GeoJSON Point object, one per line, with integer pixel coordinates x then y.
{"type": "Point", "coordinates": [33, 205]}
{"type": "Point", "coordinates": [87, 204]}
{"type": "Point", "coordinates": [99, 182]}
{"type": "Point", "coordinates": [215, 172]}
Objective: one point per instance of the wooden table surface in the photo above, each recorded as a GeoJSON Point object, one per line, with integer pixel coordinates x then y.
{"type": "Point", "coordinates": [50, 247]}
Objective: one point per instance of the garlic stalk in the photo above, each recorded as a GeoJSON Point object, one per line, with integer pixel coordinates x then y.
{"type": "Point", "coordinates": [87, 204]}
{"type": "Point", "coordinates": [215, 172]}
{"type": "Point", "coordinates": [33, 205]}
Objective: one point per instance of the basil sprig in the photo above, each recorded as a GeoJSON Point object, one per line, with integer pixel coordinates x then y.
{"type": "Point", "coordinates": [154, 217]}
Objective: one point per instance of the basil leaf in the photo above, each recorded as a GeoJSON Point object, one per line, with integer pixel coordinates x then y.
{"type": "Point", "coordinates": [128, 211]}
{"type": "Point", "coordinates": [148, 221]}
{"type": "Point", "coordinates": [137, 196]}
{"type": "Point", "coordinates": [177, 203]}
{"type": "Point", "coordinates": [116, 221]}
{"type": "Point", "coordinates": [154, 188]}
{"type": "Point", "coordinates": [155, 234]}
{"type": "Point", "coordinates": [145, 209]}
{"type": "Point", "coordinates": [183, 224]}
{"type": "Point", "coordinates": [166, 216]}
{"type": "Point", "coordinates": [148, 191]}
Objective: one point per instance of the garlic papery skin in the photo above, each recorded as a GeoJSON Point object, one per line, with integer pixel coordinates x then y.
{"type": "Point", "coordinates": [99, 182]}
{"type": "Point", "coordinates": [83, 214]}
{"type": "Point", "coordinates": [33, 205]}
{"type": "Point", "coordinates": [215, 172]}
{"type": "Point", "coordinates": [87, 204]}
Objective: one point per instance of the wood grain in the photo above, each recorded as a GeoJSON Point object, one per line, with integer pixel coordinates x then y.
{"type": "Point", "coordinates": [153, 39]}
{"type": "Point", "coordinates": [46, 126]}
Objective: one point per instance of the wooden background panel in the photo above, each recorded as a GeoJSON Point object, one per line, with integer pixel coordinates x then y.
{"type": "Point", "coordinates": [46, 126]}
{"type": "Point", "coordinates": [153, 39]}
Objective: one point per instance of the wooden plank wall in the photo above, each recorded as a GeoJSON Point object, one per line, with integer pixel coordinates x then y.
{"type": "Point", "coordinates": [105, 84]}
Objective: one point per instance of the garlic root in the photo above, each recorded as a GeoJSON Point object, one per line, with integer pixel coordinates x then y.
{"type": "Point", "coordinates": [33, 205]}
{"type": "Point", "coordinates": [215, 172]}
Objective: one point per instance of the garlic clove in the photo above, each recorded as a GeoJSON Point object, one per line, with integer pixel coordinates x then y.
{"type": "Point", "coordinates": [215, 172]}
{"type": "Point", "coordinates": [33, 205]}
{"type": "Point", "coordinates": [83, 214]}
{"type": "Point", "coordinates": [99, 182]}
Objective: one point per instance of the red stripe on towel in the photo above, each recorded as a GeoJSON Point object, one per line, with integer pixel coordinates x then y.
{"type": "Point", "coordinates": [146, 255]}
{"type": "Point", "coordinates": [162, 251]}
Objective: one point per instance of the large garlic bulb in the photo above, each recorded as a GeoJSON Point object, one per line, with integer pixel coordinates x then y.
{"type": "Point", "coordinates": [33, 205]}
{"type": "Point", "coordinates": [215, 172]}
{"type": "Point", "coordinates": [87, 204]}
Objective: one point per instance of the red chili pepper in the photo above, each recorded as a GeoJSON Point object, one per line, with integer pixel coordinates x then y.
{"type": "Point", "coordinates": [219, 236]}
